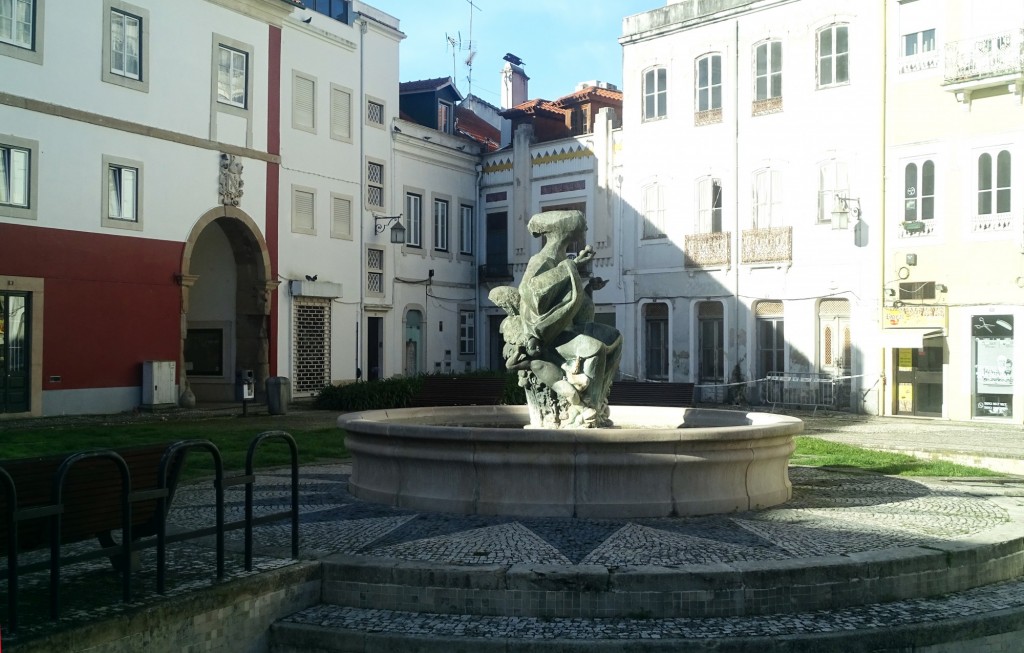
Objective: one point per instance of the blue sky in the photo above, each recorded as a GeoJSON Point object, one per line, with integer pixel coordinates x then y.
{"type": "Point", "coordinates": [561, 42]}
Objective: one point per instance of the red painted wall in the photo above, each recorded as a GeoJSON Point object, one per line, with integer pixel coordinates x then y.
{"type": "Point", "coordinates": [273, 177]}
{"type": "Point", "coordinates": [111, 302]}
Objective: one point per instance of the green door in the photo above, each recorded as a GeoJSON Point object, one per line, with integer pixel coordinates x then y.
{"type": "Point", "coordinates": [14, 352]}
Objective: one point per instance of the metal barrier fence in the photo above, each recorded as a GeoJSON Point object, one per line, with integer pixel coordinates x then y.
{"type": "Point", "coordinates": [804, 390]}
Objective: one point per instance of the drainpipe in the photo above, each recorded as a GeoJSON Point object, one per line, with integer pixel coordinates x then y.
{"type": "Point", "coordinates": [882, 222]}
{"type": "Point", "coordinates": [476, 264]}
{"type": "Point", "coordinates": [736, 202]}
{"type": "Point", "coordinates": [362, 194]}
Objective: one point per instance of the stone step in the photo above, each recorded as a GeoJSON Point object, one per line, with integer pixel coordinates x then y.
{"type": "Point", "coordinates": [988, 619]}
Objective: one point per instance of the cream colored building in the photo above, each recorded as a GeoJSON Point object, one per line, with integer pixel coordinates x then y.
{"type": "Point", "coordinates": [953, 264]}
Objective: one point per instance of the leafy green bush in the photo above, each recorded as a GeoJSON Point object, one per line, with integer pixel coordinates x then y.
{"type": "Point", "coordinates": [396, 392]}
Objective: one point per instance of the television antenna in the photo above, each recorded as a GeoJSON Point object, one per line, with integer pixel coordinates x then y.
{"type": "Point", "coordinates": [468, 46]}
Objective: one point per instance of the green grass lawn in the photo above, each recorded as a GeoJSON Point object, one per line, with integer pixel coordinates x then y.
{"type": "Point", "coordinates": [317, 440]}
{"type": "Point", "coordinates": [815, 452]}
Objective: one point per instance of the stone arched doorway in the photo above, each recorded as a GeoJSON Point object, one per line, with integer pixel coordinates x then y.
{"type": "Point", "coordinates": [226, 296]}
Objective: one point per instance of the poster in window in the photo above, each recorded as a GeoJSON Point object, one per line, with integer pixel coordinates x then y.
{"type": "Point", "coordinates": [993, 365]}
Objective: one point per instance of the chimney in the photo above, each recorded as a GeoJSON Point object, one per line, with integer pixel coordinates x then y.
{"type": "Point", "coordinates": [513, 84]}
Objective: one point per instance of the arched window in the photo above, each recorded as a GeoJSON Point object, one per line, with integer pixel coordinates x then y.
{"type": "Point", "coordinates": [708, 79]}
{"type": "Point", "coordinates": [833, 56]}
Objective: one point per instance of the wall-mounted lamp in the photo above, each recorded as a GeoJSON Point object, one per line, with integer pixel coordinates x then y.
{"type": "Point", "coordinates": [842, 209]}
{"type": "Point", "coordinates": [941, 287]}
{"type": "Point", "coordinates": [393, 221]}
{"type": "Point", "coordinates": [911, 259]}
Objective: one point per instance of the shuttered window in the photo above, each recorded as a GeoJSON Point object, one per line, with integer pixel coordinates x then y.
{"type": "Point", "coordinates": [303, 102]}
{"type": "Point", "coordinates": [341, 113]}
{"type": "Point", "coordinates": [303, 201]}
{"type": "Point", "coordinates": [341, 217]}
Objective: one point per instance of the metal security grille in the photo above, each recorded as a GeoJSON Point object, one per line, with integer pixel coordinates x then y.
{"type": "Point", "coordinates": [768, 309]}
{"type": "Point", "coordinates": [829, 307]}
{"type": "Point", "coordinates": [312, 341]}
{"type": "Point", "coordinates": [374, 270]}
{"type": "Point", "coordinates": [375, 112]}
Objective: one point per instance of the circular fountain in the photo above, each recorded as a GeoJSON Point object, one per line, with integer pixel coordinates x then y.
{"type": "Point", "coordinates": [654, 462]}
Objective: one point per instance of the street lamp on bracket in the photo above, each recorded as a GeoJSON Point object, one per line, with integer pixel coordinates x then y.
{"type": "Point", "coordinates": [382, 222]}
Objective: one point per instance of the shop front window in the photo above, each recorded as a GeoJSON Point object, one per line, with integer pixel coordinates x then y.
{"type": "Point", "coordinates": [992, 337]}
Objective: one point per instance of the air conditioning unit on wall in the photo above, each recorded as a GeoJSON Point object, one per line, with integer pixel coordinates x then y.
{"type": "Point", "coordinates": [158, 387]}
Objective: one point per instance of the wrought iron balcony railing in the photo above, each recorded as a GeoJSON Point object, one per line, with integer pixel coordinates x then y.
{"type": "Point", "coordinates": [772, 245]}
{"type": "Point", "coordinates": [708, 250]}
{"type": "Point", "coordinates": [985, 57]}
{"type": "Point", "coordinates": [496, 272]}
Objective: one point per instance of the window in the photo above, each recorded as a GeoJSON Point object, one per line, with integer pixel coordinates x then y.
{"type": "Point", "coordinates": [833, 56]}
{"type": "Point", "coordinates": [375, 184]}
{"type": "Point", "coordinates": [655, 93]}
{"type": "Point", "coordinates": [444, 117]}
{"type": "Point", "coordinates": [709, 206]}
{"type": "Point", "coordinates": [303, 102]}
{"type": "Point", "coordinates": [768, 71]}
{"type": "Point", "coordinates": [122, 200]}
{"type": "Point", "coordinates": [122, 186]}
{"type": "Point", "coordinates": [654, 211]}
{"type": "Point", "coordinates": [465, 229]}
{"type": "Point", "coordinates": [656, 341]}
{"type": "Point", "coordinates": [833, 182]}
{"type": "Point", "coordinates": [413, 220]}
{"type": "Point", "coordinates": [771, 339]}
{"type": "Point", "coordinates": [441, 225]}
{"type": "Point", "coordinates": [919, 191]}
{"type": "Point", "coordinates": [467, 332]}
{"type": "Point", "coordinates": [232, 76]}
{"type": "Point", "coordinates": [341, 113]}
{"type": "Point", "coordinates": [709, 83]}
{"type": "Point", "coordinates": [336, 9]}
{"type": "Point", "coordinates": [15, 180]}
{"type": "Point", "coordinates": [994, 183]}
{"type": "Point", "coordinates": [125, 36]}
{"type": "Point", "coordinates": [303, 210]}
{"type": "Point", "coordinates": [767, 199]}
{"type": "Point", "coordinates": [374, 271]}
{"type": "Point", "coordinates": [918, 43]}
{"type": "Point", "coordinates": [375, 113]}
{"type": "Point", "coordinates": [21, 29]}
{"type": "Point", "coordinates": [341, 217]}
{"type": "Point", "coordinates": [917, 291]}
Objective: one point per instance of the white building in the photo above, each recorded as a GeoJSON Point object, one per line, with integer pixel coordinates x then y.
{"type": "Point", "coordinates": [735, 158]}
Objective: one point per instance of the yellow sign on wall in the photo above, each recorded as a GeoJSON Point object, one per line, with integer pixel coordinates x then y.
{"type": "Point", "coordinates": [906, 360]}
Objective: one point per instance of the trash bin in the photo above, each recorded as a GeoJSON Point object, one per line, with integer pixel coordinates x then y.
{"type": "Point", "coordinates": [279, 395]}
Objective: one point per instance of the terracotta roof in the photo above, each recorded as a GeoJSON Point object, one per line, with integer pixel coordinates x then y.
{"type": "Point", "coordinates": [534, 107]}
{"type": "Point", "coordinates": [587, 93]}
{"type": "Point", "coordinates": [473, 126]}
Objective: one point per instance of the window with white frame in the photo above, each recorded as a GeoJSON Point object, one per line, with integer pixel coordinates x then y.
{"type": "Point", "coordinates": [467, 332]}
{"type": "Point", "coordinates": [232, 76]}
{"type": "Point", "coordinates": [125, 34]}
{"type": "Point", "coordinates": [833, 182]}
{"type": "Point", "coordinates": [19, 177]}
{"type": "Point", "coordinates": [918, 43]}
{"type": "Point", "coordinates": [994, 191]}
{"type": "Point", "coordinates": [655, 93]}
{"type": "Point", "coordinates": [771, 338]}
{"type": "Point", "coordinates": [413, 220]}
{"type": "Point", "coordinates": [918, 47]}
{"type": "Point", "coordinates": [709, 82]}
{"type": "Point", "coordinates": [303, 210]}
{"type": "Point", "coordinates": [767, 199]}
{"type": "Point", "coordinates": [374, 113]}
{"type": "Point", "coordinates": [341, 113]}
{"type": "Point", "coordinates": [341, 216]}
{"type": "Point", "coordinates": [466, 229]}
{"type": "Point", "coordinates": [833, 55]}
{"type": "Point", "coordinates": [374, 271]}
{"type": "Point", "coordinates": [15, 179]}
{"type": "Point", "coordinates": [21, 27]}
{"type": "Point", "coordinates": [303, 102]}
{"type": "Point", "coordinates": [709, 205]}
{"type": "Point", "coordinates": [444, 117]}
{"type": "Point", "coordinates": [441, 225]}
{"type": "Point", "coordinates": [919, 191]}
{"type": "Point", "coordinates": [375, 184]}
{"type": "Point", "coordinates": [122, 199]}
{"type": "Point", "coordinates": [768, 70]}
{"type": "Point", "coordinates": [654, 211]}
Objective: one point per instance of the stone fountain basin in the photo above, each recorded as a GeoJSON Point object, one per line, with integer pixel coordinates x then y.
{"type": "Point", "coordinates": [656, 462]}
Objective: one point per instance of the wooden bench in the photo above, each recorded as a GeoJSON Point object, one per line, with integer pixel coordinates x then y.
{"type": "Point", "coordinates": [90, 497]}
{"type": "Point", "coordinates": [460, 391]}
{"type": "Point", "coordinates": [649, 393]}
